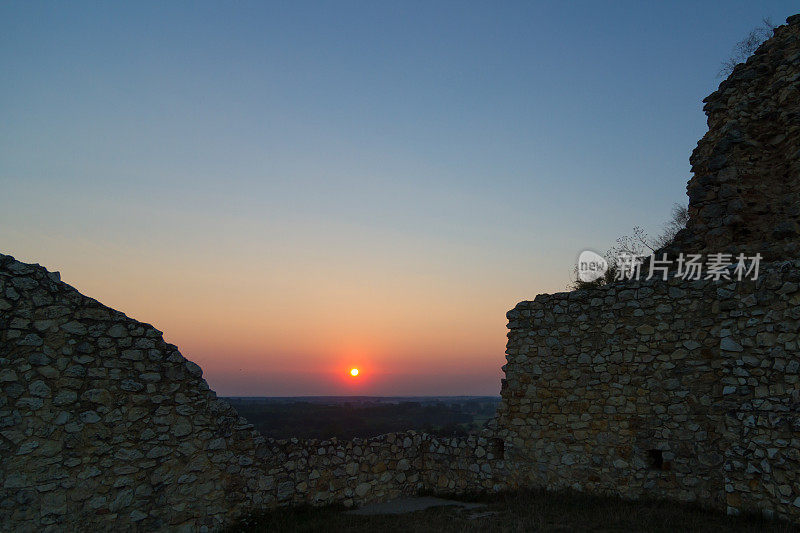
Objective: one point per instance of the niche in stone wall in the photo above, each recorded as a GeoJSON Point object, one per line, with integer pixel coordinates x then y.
{"type": "Point", "coordinates": [498, 448]}
{"type": "Point", "coordinates": [655, 460]}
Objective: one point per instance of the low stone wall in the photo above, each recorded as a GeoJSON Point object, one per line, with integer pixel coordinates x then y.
{"type": "Point", "coordinates": [357, 471]}
{"type": "Point", "coordinates": [103, 425]}
{"type": "Point", "coordinates": [683, 390]}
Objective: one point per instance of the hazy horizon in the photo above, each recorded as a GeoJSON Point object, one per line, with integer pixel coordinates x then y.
{"type": "Point", "coordinates": [289, 191]}
{"type": "Point", "coordinates": [363, 396]}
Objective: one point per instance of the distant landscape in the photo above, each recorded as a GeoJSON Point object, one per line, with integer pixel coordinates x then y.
{"type": "Point", "coordinates": [347, 417]}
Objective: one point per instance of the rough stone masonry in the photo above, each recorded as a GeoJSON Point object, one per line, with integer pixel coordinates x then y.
{"type": "Point", "coordinates": [681, 389]}
{"type": "Point", "coordinates": [106, 426]}
{"type": "Point", "coordinates": [677, 388]}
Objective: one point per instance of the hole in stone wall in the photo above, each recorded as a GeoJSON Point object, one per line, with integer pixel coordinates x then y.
{"type": "Point", "coordinates": [498, 448]}
{"type": "Point", "coordinates": [656, 459]}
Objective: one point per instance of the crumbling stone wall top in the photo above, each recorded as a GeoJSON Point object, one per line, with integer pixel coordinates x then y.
{"type": "Point", "coordinates": [744, 195]}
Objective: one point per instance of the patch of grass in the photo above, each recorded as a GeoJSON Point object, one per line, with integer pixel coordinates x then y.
{"type": "Point", "coordinates": [528, 510]}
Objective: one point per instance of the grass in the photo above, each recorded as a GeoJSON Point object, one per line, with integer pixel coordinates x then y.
{"type": "Point", "coordinates": [517, 512]}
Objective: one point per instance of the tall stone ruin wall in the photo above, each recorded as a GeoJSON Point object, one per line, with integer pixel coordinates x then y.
{"type": "Point", "coordinates": [743, 195]}
{"type": "Point", "coordinates": [683, 389]}
{"type": "Point", "coordinates": [679, 390]}
{"type": "Point", "coordinates": [105, 426]}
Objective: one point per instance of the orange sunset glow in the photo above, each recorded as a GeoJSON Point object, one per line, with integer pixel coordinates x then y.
{"type": "Point", "coordinates": [300, 197]}
{"type": "Point", "coordinates": [260, 324]}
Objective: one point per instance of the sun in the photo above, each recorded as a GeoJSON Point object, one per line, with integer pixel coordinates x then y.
{"type": "Point", "coordinates": [354, 372]}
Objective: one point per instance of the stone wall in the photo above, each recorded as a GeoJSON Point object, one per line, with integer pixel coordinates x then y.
{"type": "Point", "coordinates": [356, 471]}
{"type": "Point", "coordinates": [103, 425]}
{"type": "Point", "coordinates": [102, 422]}
{"type": "Point", "coordinates": [746, 169]}
{"type": "Point", "coordinates": [685, 390]}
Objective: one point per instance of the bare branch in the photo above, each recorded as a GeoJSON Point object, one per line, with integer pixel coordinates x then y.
{"type": "Point", "coordinates": [637, 244]}
{"type": "Point", "coordinates": [745, 48]}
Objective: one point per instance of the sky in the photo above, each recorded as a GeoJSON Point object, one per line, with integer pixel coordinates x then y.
{"type": "Point", "coordinates": [292, 189]}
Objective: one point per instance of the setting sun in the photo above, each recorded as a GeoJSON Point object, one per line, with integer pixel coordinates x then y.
{"type": "Point", "coordinates": [354, 372]}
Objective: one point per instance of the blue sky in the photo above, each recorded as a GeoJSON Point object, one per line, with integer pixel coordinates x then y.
{"type": "Point", "coordinates": [470, 148]}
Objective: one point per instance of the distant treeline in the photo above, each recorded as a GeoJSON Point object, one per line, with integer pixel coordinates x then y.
{"type": "Point", "coordinates": [308, 420]}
